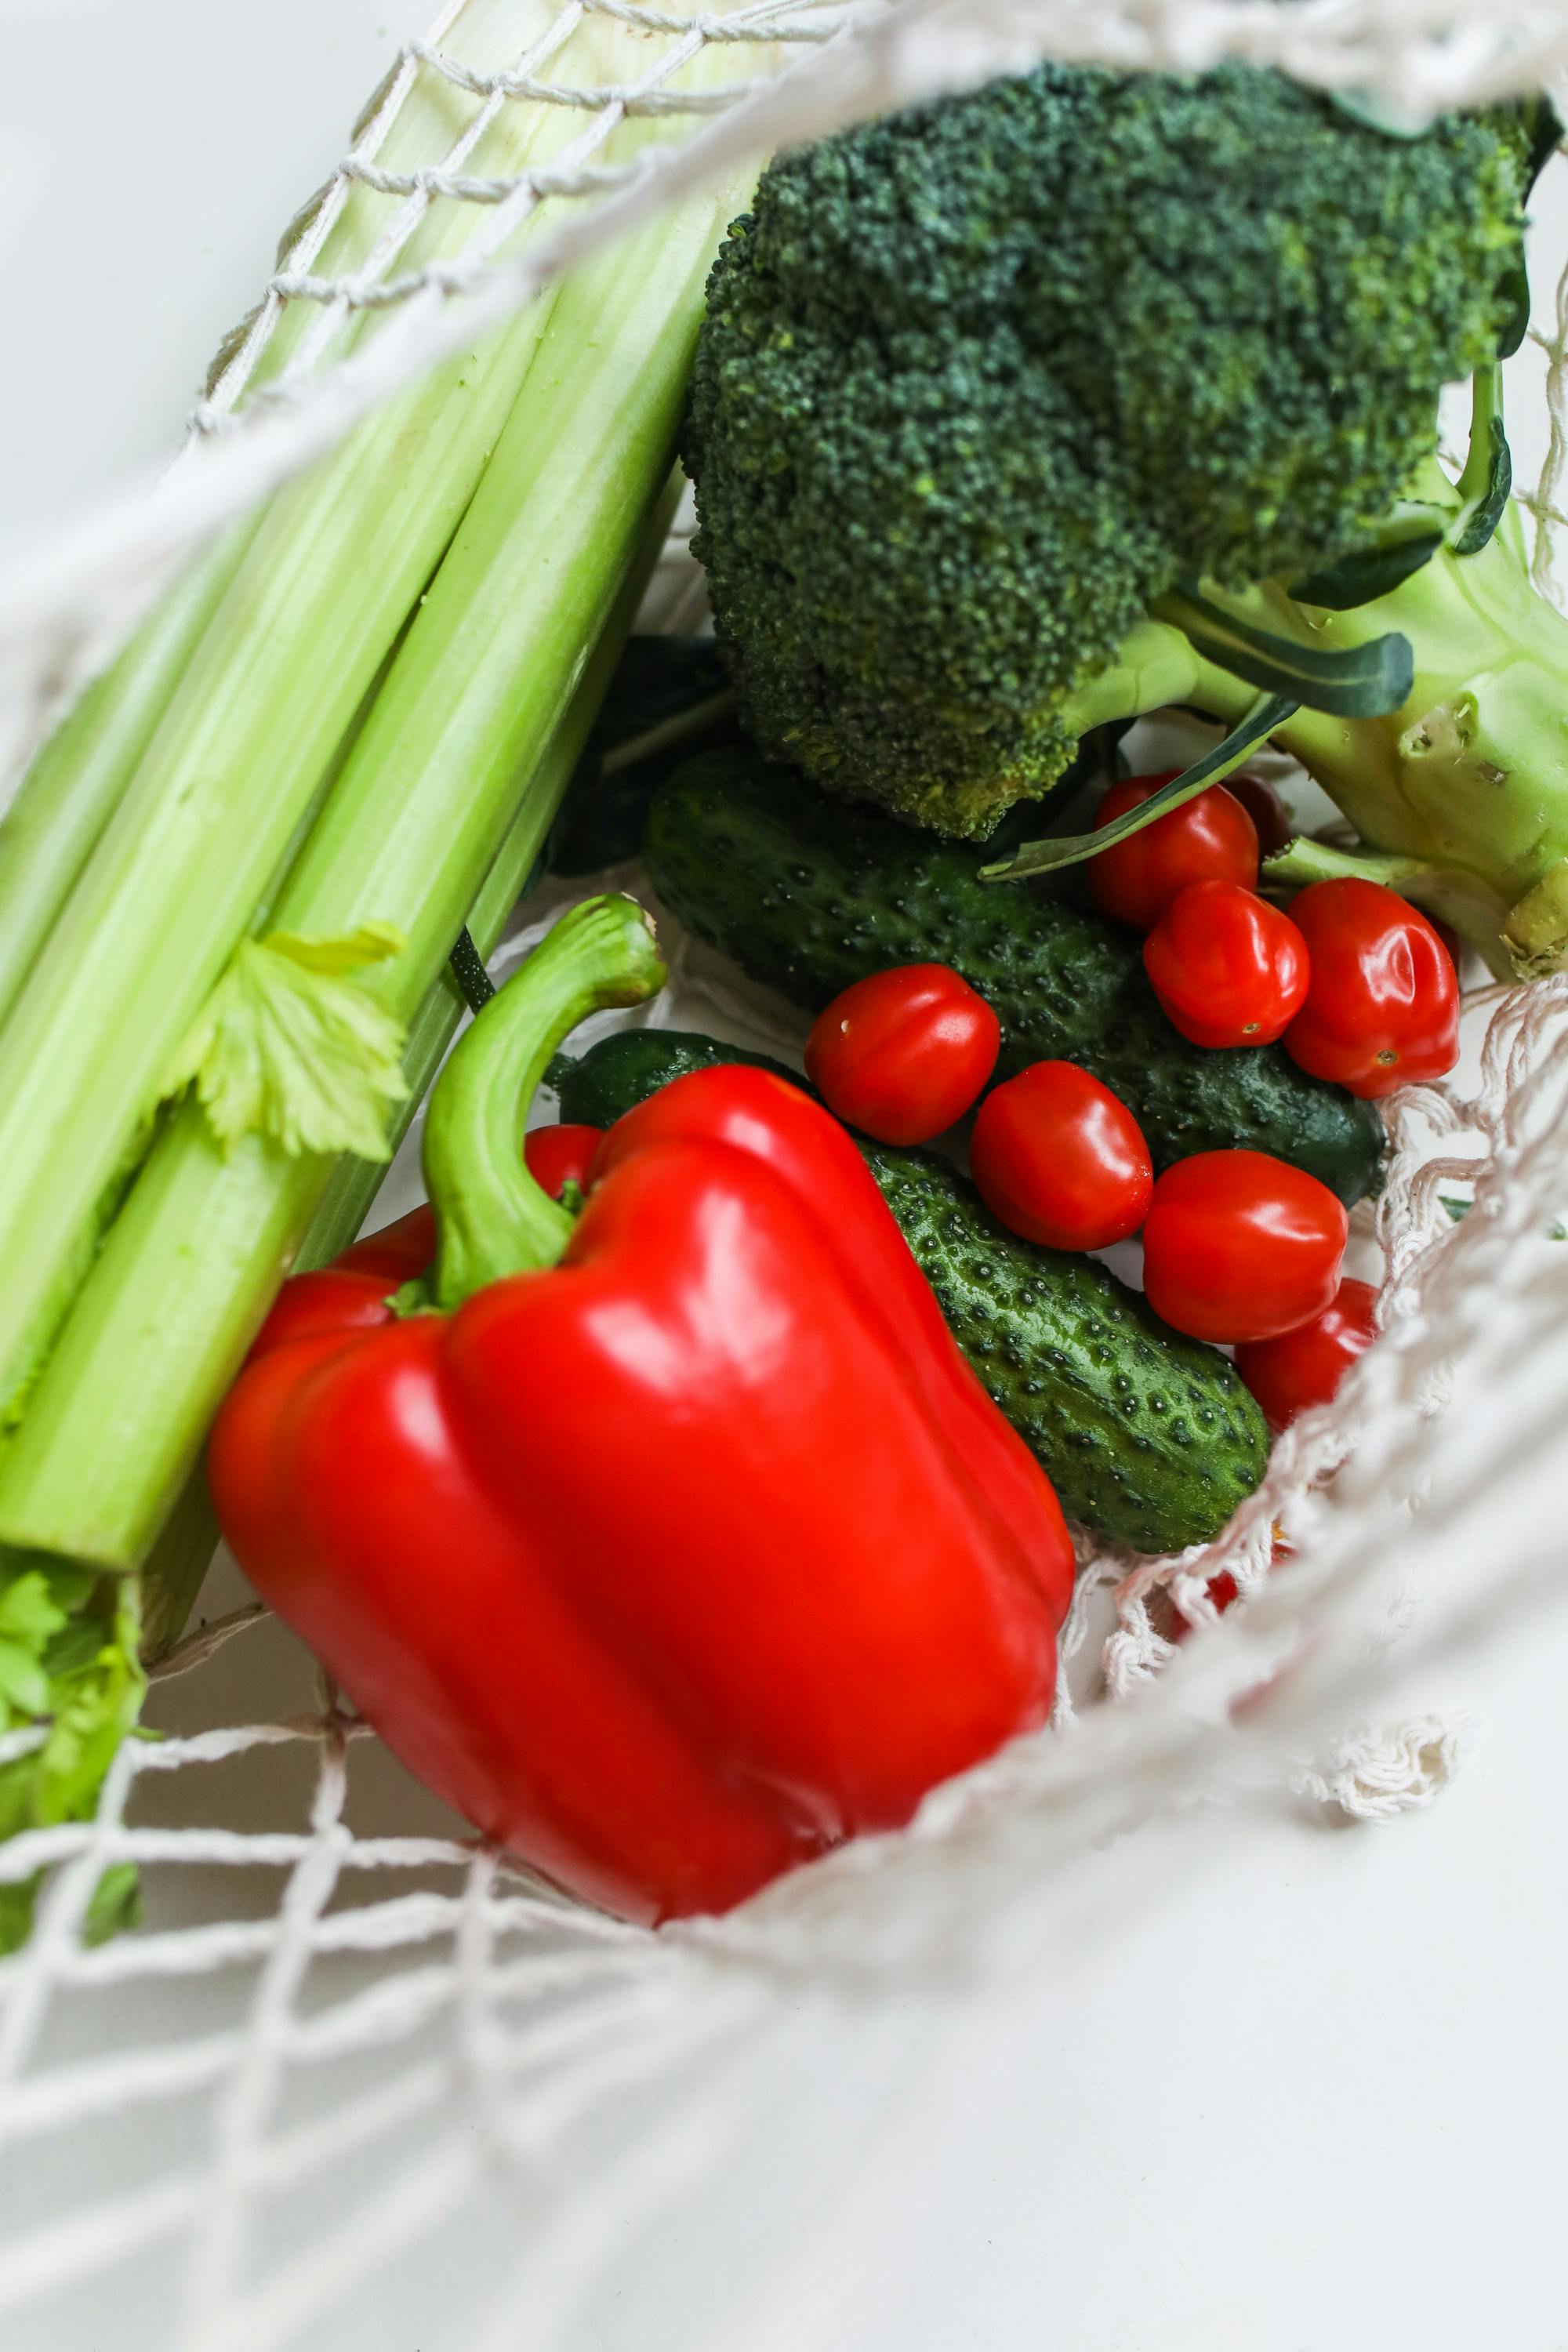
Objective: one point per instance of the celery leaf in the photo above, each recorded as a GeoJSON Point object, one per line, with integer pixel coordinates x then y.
{"type": "Point", "coordinates": [293, 1046]}
{"type": "Point", "coordinates": [71, 1674]}
{"type": "Point", "coordinates": [30, 1617]}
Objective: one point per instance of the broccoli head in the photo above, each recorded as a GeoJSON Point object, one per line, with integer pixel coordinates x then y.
{"type": "Point", "coordinates": [979, 384]}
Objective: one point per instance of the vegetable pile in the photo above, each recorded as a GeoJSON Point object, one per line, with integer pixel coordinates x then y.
{"type": "Point", "coordinates": [687, 1488]}
{"type": "Point", "coordinates": [587, 1450]}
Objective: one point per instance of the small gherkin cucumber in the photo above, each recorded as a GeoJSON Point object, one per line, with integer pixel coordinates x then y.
{"type": "Point", "coordinates": [1148, 1437]}
{"type": "Point", "coordinates": [808, 894]}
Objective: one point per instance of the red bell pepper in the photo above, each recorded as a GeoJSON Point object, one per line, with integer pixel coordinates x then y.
{"type": "Point", "coordinates": [678, 1563]}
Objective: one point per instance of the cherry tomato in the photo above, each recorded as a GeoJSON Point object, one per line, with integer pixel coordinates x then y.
{"type": "Point", "coordinates": [1222, 1592]}
{"type": "Point", "coordinates": [1060, 1161]}
{"type": "Point", "coordinates": [1382, 1008]}
{"type": "Point", "coordinates": [903, 1053]}
{"type": "Point", "coordinates": [558, 1156]}
{"type": "Point", "coordinates": [1272, 821]}
{"type": "Point", "coordinates": [1209, 838]}
{"type": "Point", "coordinates": [1227, 968]}
{"type": "Point", "coordinates": [1238, 1245]}
{"type": "Point", "coordinates": [399, 1251]}
{"type": "Point", "coordinates": [1304, 1366]}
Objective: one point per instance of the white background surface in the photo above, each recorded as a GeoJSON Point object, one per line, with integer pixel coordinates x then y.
{"type": "Point", "coordinates": [1313, 2100]}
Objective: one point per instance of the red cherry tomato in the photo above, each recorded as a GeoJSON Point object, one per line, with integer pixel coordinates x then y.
{"type": "Point", "coordinates": [1227, 968]}
{"type": "Point", "coordinates": [1060, 1161]}
{"type": "Point", "coordinates": [1222, 1592]}
{"type": "Point", "coordinates": [558, 1156]}
{"type": "Point", "coordinates": [903, 1053]}
{"type": "Point", "coordinates": [1238, 1245]}
{"type": "Point", "coordinates": [1271, 820]}
{"type": "Point", "coordinates": [1304, 1366]}
{"type": "Point", "coordinates": [399, 1251]}
{"type": "Point", "coordinates": [1210, 838]}
{"type": "Point", "coordinates": [1382, 1008]}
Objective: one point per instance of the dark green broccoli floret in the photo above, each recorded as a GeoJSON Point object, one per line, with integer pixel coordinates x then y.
{"type": "Point", "coordinates": [979, 384]}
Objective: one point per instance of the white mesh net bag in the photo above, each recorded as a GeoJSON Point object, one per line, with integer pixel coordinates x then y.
{"type": "Point", "coordinates": [347, 2035]}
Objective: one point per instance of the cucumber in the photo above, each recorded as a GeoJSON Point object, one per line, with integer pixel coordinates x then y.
{"type": "Point", "coordinates": [669, 696]}
{"type": "Point", "coordinates": [1148, 1437]}
{"type": "Point", "coordinates": [808, 894]}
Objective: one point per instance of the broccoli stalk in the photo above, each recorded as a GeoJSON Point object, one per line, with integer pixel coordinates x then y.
{"type": "Point", "coordinates": [1466, 783]}
{"type": "Point", "coordinates": [1460, 793]}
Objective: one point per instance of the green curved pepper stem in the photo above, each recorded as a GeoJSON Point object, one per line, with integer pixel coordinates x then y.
{"type": "Point", "coordinates": [491, 1218]}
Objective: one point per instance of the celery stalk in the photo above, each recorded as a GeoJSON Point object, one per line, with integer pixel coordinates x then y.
{"type": "Point", "coordinates": [177, 1565]}
{"type": "Point", "coordinates": [405, 837]}
{"type": "Point", "coordinates": [178, 871]}
{"type": "Point", "coordinates": [79, 777]}
{"type": "Point", "coordinates": [336, 564]}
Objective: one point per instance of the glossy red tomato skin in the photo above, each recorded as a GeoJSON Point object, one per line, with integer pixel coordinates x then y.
{"type": "Point", "coordinates": [1304, 1368]}
{"type": "Point", "coordinates": [1210, 838]}
{"type": "Point", "coordinates": [1221, 1592]}
{"type": "Point", "coordinates": [903, 1053]}
{"type": "Point", "coordinates": [1272, 821]}
{"type": "Point", "coordinates": [1383, 1010]}
{"type": "Point", "coordinates": [562, 1155]}
{"type": "Point", "coordinates": [1238, 1245]}
{"type": "Point", "coordinates": [1059, 1160]}
{"type": "Point", "coordinates": [1227, 968]}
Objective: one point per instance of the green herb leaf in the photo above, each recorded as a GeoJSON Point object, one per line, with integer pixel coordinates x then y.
{"type": "Point", "coordinates": [1363, 681]}
{"type": "Point", "coordinates": [291, 1046]}
{"type": "Point", "coordinates": [1267, 712]}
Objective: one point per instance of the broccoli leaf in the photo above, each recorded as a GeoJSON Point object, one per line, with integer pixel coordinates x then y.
{"type": "Point", "coordinates": [1049, 857]}
{"type": "Point", "coordinates": [1411, 538]}
{"type": "Point", "coordinates": [1363, 681]}
{"type": "Point", "coordinates": [1488, 478]}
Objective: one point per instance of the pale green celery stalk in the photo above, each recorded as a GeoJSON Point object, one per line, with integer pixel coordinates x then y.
{"type": "Point", "coordinates": [335, 566]}
{"type": "Point", "coordinates": [79, 775]}
{"type": "Point", "coordinates": [172, 1573]}
{"type": "Point", "coordinates": [490, 36]}
{"type": "Point", "coordinates": [405, 838]}
{"type": "Point", "coordinates": [77, 778]}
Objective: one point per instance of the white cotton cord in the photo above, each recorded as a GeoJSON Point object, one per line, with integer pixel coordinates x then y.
{"type": "Point", "coordinates": [1369, 1775]}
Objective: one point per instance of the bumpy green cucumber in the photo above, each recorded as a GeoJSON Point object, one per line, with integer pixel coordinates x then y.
{"type": "Point", "coordinates": [1147, 1437]}
{"type": "Point", "coordinates": [808, 894]}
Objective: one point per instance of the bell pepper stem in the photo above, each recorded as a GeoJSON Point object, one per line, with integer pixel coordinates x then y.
{"type": "Point", "coordinates": [492, 1220]}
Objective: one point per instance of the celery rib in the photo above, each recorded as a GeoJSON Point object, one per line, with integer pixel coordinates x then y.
{"type": "Point", "coordinates": [79, 776]}
{"type": "Point", "coordinates": [405, 837]}
{"type": "Point", "coordinates": [177, 1564]}
{"type": "Point", "coordinates": [233, 769]}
